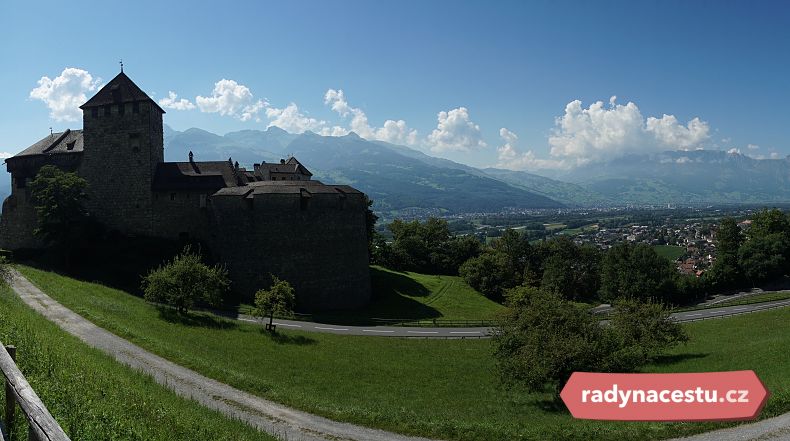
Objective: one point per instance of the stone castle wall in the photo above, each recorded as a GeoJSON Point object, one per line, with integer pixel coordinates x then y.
{"type": "Point", "coordinates": [319, 247]}
{"type": "Point", "coordinates": [19, 219]}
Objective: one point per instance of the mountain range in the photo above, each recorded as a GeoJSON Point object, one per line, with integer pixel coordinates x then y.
{"type": "Point", "coordinates": [404, 181]}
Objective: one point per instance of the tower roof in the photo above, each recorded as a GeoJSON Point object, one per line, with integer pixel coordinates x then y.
{"type": "Point", "coordinates": [120, 89]}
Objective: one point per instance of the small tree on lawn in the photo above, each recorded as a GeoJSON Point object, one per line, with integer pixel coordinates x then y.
{"type": "Point", "coordinates": [186, 280]}
{"type": "Point", "coordinates": [278, 299]}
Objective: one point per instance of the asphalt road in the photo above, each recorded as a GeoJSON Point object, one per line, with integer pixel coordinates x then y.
{"type": "Point", "coordinates": [414, 332]}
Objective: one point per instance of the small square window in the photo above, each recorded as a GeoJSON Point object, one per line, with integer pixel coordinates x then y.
{"type": "Point", "coordinates": [172, 196]}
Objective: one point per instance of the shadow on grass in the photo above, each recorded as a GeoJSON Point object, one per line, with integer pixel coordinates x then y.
{"type": "Point", "coordinates": [663, 360]}
{"type": "Point", "coordinates": [284, 339]}
{"type": "Point", "coordinates": [387, 284]}
{"type": "Point", "coordinates": [171, 315]}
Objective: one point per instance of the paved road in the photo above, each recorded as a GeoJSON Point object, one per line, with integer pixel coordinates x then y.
{"type": "Point", "coordinates": [414, 332]}
{"type": "Point", "coordinates": [275, 419]}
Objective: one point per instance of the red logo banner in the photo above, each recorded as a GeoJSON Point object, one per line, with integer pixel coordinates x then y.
{"type": "Point", "coordinates": [709, 396]}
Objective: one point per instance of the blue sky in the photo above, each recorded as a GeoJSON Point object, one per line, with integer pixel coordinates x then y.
{"type": "Point", "coordinates": [512, 84]}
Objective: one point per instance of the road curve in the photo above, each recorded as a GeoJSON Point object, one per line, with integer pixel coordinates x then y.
{"type": "Point", "coordinates": [278, 420]}
{"type": "Point", "coordinates": [483, 332]}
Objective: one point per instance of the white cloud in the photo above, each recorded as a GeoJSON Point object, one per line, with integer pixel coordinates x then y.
{"type": "Point", "coordinates": [5, 155]}
{"type": "Point", "coordinates": [774, 155]}
{"type": "Point", "coordinates": [292, 120]}
{"type": "Point", "coordinates": [683, 160]}
{"type": "Point", "coordinates": [233, 99]}
{"type": "Point", "coordinates": [172, 102]}
{"type": "Point", "coordinates": [65, 93]}
{"type": "Point", "coordinates": [511, 159]}
{"type": "Point", "coordinates": [734, 151]}
{"type": "Point", "coordinates": [396, 132]}
{"type": "Point", "coordinates": [598, 133]}
{"type": "Point", "coordinates": [455, 131]}
{"type": "Point", "coordinates": [752, 146]}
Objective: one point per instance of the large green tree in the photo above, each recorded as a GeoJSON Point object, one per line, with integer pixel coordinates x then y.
{"type": "Point", "coordinates": [59, 197]}
{"type": "Point", "coordinates": [542, 339]}
{"type": "Point", "coordinates": [571, 270]}
{"type": "Point", "coordinates": [636, 271]}
{"type": "Point", "coordinates": [428, 247]}
{"type": "Point", "coordinates": [726, 271]}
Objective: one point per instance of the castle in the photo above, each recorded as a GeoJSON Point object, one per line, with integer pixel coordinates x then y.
{"type": "Point", "coordinates": [273, 219]}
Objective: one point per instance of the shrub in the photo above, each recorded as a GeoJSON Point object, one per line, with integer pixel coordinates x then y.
{"type": "Point", "coordinates": [186, 280]}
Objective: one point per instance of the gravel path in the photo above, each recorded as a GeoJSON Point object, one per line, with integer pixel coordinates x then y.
{"type": "Point", "coordinates": [275, 419]}
{"type": "Point", "coordinates": [772, 429]}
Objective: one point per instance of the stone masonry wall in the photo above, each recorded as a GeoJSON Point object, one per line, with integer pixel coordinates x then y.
{"type": "Point", "coordinates": [19, 219]}
{"type": "Point", "coordinates": [119, 160]}
{"type": "Point", "coordinates": [321, 249]}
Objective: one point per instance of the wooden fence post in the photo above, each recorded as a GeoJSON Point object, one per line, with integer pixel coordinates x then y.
{"type": "Point", "coordinates": [10, 400]}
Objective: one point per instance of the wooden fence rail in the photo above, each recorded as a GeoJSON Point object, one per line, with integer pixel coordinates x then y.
{"type": "Point", "coordinates": [42, 426]}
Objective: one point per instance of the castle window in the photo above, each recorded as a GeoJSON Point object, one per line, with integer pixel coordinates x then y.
{"type": "Point", "coordinates": [172, 196]}
{"type": "Point", "coordinates": [135, 107]}
{"type": "Point", "coordinates": [107, 110]}
{"type": "Point", "coordinates": [94, 112]}
{"type": "Point", "coordinates": [121, 109]}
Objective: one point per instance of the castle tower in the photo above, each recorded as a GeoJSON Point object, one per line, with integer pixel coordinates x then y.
{"type": "Point", "coordinates": [122, 129]}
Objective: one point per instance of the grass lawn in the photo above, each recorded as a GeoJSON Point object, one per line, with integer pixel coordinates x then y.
{"type": "Point", "coordinates": [747, 300]}
{"type": "Point", "coordinates": [95, 398]}
{"type": "Point", "coordinates": [437, 388]}
{"type": "Point", "coordinates": [415, 296]}
{"type": "Point", "coordinates": [671, 252]}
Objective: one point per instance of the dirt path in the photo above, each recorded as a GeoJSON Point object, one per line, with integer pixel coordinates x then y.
{"type": "Point", "coordinates": [275, 419]}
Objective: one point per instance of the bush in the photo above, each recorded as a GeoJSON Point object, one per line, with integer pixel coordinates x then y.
{"type": "Point", "coordinates": [186, 280]}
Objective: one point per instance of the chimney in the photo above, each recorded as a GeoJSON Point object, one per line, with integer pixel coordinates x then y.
{"type": "Point", "coordinates": [282, 161]}
{"type": "Point", "coordinates": [191, 157]}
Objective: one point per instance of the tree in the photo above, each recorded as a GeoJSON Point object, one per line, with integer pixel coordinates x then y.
{"type": "Point", "coordinates": [636, 271]}
{"type": "Point", "coordinates": [278, 299]}
{"type": "Point", "coordinates": [542, 339]}
{"type": "Point", "coordinates": [58, 197]}
{"type": "Point", "coordinates": [645, 326]}
{"type": "Point", "coordinates": [490, 273]}
{"type": "Point", "coordinates": [726, 272]}
{"type": "Point", "coordinates": [370, 225]}
{"type": "Point", "coordinates": [186, 280]}
{"type": "Point", "coordinates": [428, 247]}
{"type": "Point", "coordinates": [570, 270]}
{"type": "Point", "coordinates": [763, 257]}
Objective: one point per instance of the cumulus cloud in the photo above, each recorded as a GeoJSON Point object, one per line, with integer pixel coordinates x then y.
{"type": "Point", "coordinates": [734, 151]}
{"type": "Point", "coordinates": [455, 131]}
{"type": "Point", "coordinates": [65, 93]}
{"type": "Point", "coordinates": [172, 102]}
{"type": "Point", "coordinates": [584, 135]}
{"type": "Point", "coordinates": [512, 159]}
{"type": "Point", "coordinates": [5, 155]}
{"type": "Point", "coordinates": [291, 119]}
{"type": "Point", "coordinates": [752, 147]}
{"type": "Point", "coordinates": [396, 132]}
{"type": "Point", "coordinates": [233, 99]}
